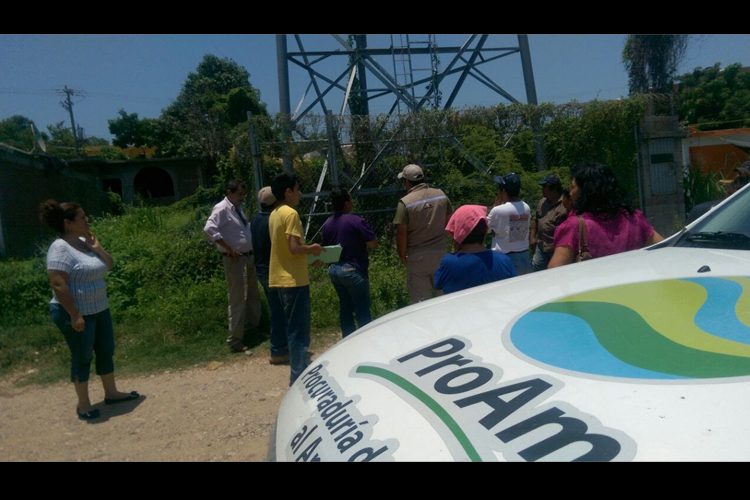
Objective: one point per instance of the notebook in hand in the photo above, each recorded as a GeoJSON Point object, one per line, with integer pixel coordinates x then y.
{"type": "Point", "coordinates": [331, 254]}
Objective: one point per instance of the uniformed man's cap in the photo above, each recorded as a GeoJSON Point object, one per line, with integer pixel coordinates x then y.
{"type": "Point", "coordinates": [411, 172]}
{"type": "Point", "coordinates": [551, 180]}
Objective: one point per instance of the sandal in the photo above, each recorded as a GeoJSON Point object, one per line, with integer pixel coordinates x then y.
{"type": "Point", "coordinates": [130, 397]}
{"type": "Point", "coordinates": [88, 415]}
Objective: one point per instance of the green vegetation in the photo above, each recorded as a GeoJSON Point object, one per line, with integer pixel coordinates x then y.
{"type": "Point", "coordinates": [715, 98]}
{"type": "Point", "coordinates": [700, 187]}
{"type": "Point", "coordinates": [16, 131]}
{"type": "Point", "coordinates": [167, 296]}
{"type": "Point", "coordinates": [651, 61]}
{"type": "Point", "coordinates": [167, 290]}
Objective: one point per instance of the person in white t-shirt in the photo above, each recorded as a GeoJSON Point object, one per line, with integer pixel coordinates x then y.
{"type": "Point", "coordinates": [509, 222]}
{"type": "Point", "coordinates": [76, 265]}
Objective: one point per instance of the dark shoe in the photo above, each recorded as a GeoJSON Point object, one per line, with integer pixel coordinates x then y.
{"type": "Point", "coordinates": [281, 359]}
{"type": "Point", "coordinates": [130, 397]}
{"type": "Point", "coordinates": [242, 348]}
{"type": "Point", "coordinates": [88, 415]}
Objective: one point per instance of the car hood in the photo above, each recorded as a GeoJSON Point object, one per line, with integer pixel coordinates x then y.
{"type": "Point", "coordinates": [639, 356]}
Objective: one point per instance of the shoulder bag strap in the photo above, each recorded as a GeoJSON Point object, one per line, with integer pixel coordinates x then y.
{"type": "Point", "coordinates": [583, 244]}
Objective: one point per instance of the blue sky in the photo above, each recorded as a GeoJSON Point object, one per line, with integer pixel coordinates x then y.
{"type": "Point", "coordinates": [144, 73]}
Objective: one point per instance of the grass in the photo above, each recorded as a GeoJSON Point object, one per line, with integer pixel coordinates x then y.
{"type": "Point", "coordinates": [167, 297]}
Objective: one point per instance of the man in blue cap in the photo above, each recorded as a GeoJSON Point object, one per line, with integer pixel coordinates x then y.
{"type": "Point", "coordinates": [509, 222]}
{"type": "Point", "coordinates": [549, 213]}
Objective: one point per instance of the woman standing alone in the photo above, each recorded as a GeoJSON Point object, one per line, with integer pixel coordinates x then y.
{"type": "Point", "coordinates": [76, 265]}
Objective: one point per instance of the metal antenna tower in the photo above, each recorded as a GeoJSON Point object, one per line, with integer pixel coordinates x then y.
{"type": "Point", "coordinates": [403, 85]}
{"type": "Point", "coordinates": [465, 61]}
{"type": "Point", "coordinates": [405, 68]}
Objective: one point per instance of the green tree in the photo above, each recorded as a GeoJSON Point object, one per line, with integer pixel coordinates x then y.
{"type": "Point", "coordinates": [62, 144]}
{"type": "Point", "coordinates": [16, 131]}
{"type": "Point", "coordinates": [129, 130]}
{"type": "Point", "coordinates": [214, 99]}
{"type": "Point", "coordinates": [651, 61]}
{"type": "Point", "coordinates": [715, 98]}
{"type": "Point", "coordinates": [597, 131]}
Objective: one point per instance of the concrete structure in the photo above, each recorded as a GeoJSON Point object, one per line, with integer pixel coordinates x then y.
{"type": "Point", "coordinates": [28, 179]}
{"type": "Point", "coordinates": [156, 180]}
{"type": "Point", "coordinates": [660, 170]}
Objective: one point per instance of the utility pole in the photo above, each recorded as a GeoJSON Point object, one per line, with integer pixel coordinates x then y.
{"type": "Point", "coordinates": [68, 105]}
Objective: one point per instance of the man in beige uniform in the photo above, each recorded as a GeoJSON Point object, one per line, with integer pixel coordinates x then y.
{"type": "Point", "coordinates": [421, 217]}
{"type": "Point", "coordinates": [550, 213]}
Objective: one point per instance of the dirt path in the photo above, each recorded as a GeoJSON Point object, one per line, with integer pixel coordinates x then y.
{"type": "Point", "coordinates": [216, 412]}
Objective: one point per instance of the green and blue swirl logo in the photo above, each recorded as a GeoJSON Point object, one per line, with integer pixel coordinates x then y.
{"type": "Point", "coordinates": [695, 328]}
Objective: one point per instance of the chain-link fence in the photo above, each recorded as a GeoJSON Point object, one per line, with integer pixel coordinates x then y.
{"type": "Point", "coordinates": [460, 151]}
{"type": "Point", "coordinates": [366, 157]}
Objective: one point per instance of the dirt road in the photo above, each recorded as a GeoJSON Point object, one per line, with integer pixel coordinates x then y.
{"type": "Point", "coordinates": [215, 412]}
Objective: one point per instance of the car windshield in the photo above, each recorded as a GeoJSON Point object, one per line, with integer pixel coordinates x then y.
{"type": "Point", "coordinates": [726, 227]}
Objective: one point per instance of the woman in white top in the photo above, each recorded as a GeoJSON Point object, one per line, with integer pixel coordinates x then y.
{"type": "Point", "coordinates": [76, 265]}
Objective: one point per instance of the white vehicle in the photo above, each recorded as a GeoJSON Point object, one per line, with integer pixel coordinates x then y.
{"type": "Point", "coordinates": [643, 355]}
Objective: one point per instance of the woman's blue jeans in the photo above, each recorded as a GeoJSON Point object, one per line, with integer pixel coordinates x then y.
{"type": "Point", "coordinates": [540, 261]}
{"type": "Point", "coordinates": [97, 337]}
{"type": "Point", "coordinates": [353, 289]}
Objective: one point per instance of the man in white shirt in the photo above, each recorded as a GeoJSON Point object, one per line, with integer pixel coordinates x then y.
{"type": "Point", "coordinates": [228, 229]}
{"type": "Point", "coordinates": [509, 222]}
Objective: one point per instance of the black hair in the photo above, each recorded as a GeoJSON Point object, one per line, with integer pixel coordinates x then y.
{"type": "Point", "coordinates": [339, 197]}
{"type": "Point", "coordinates": [598, 190]}
{"type": "Point", "coordinates": [477, 234]}
{"type": "Point", "coordinates": [281, 183]}
{"type": "Point", "coordinates": [235, 185]}
{"type": "Point", "coordinates": [54, 214]}
{"type": "Point", "coordinates": [513, 190]}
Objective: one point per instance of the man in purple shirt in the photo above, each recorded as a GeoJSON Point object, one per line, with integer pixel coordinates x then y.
{"type": "Point", "coordinates": [349, 274]}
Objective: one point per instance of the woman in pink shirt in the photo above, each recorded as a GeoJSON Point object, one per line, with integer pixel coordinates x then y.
{"type": "Point", "coordinates": [612, 226]}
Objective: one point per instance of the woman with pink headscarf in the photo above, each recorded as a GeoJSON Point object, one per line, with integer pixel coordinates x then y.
{"type": "Point", "coordinates": [472, 264]}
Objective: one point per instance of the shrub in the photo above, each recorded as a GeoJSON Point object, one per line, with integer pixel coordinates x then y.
{"type": "Point", "coordinates": [24, 292]}
{"type": "Point", "coordinates": [700, 187]}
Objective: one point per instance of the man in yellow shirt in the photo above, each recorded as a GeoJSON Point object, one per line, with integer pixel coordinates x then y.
{"type": "Point", "coordinates": [287, 272]}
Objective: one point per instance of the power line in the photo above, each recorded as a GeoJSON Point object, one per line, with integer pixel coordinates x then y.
{"type": "Point", "coordinates": [7, 91]}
